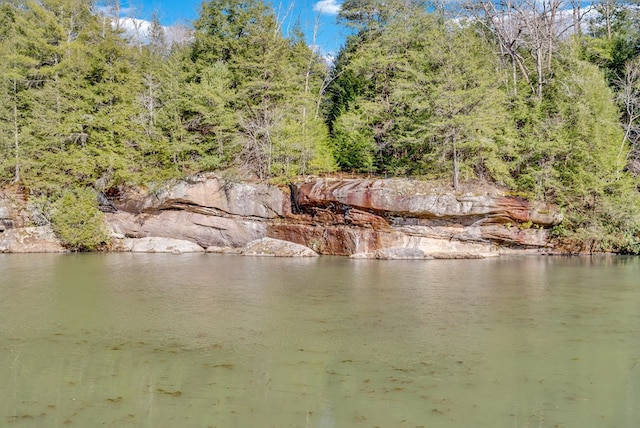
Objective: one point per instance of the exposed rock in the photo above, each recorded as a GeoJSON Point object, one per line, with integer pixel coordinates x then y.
{"type": "Point", "coordinates": [204, 230]}
{"type": "Point", "coordinates": [365, 256]}
{"type": "Point", "coordinates": [463, 255]}
{"type": "Point", "coordinates": [337, 240]}
{"type": "Point", "coordinates": [223, 250]}
{"type": "Point", "coordinates": [13, 211]}
{"type": "Point", "coordinates": [390, 218]}
{"type": "Point", "coordinates": [208, 195]}
{"type": "Point", "coordinates": [400, 254]}
{"type": "Point", "coordinates": [339, 217]}
{"type": "Point", "coordinates": [39, 239]}
{"type": "Point", "coordinates": [496, 233]}
{"type": "Point", "coordinates": [160, 245]}
{"type": "Point", "coordinates": [420, 199]}
{"type": "Point", "coordinates": [368, 215]}
{"type": "Point", "coordinates": [277, 248]}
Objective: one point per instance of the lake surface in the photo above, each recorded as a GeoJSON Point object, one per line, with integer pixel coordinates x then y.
{"type": "Point", "coordinates": [152, 340]}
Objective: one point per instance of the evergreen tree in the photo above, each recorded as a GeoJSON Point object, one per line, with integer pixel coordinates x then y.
{"type": "Point", "coordinates": [424, 104]}
{"type": "Point", "coordinates": [274, 131]}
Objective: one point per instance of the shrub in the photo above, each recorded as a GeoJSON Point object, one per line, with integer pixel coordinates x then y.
{"type": "Point", "coordinates": [77, 221]}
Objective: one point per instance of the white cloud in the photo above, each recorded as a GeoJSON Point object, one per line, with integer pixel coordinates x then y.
{"type": "Point", "coordinates": [330, 7]}
{"type": "Point", "coordinates": [135, 26]}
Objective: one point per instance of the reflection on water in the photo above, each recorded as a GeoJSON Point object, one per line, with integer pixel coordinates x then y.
{"type": "Point", "coordinates": [227, 341]}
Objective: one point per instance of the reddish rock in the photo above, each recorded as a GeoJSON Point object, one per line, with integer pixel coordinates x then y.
{"type": "Point", "coordinates": [337, 240]}
{"type": "Point", "coordinates": [420, 199]}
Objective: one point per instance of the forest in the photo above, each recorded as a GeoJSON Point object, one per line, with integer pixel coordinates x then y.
{"type": "Point", "coordinates": [540, 97]}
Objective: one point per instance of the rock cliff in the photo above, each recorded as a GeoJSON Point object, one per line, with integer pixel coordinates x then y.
{"type": "Point", "coordinates": [384, 218]}
{"type": "Point", "coordinates": [354, 217]}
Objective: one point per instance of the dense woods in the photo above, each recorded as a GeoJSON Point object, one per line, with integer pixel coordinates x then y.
{"type": "Point", "coordinates": [541, 97]}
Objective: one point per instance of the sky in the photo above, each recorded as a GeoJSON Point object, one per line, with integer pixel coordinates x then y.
{"type": "Point", "coordinates": [330, 36]}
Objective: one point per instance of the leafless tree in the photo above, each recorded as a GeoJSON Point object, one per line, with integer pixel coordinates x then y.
{"type": "Point", "coordinates": [528, 31]}
{"type": "Point", "coordinates": [629, 98]}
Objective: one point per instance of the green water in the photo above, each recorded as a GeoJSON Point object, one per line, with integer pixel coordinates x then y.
{"type": "Point", "coordinates": [227, 341]}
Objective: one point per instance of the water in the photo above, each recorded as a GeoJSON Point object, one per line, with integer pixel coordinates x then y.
{"type": "Point", "coordinates": [151, 340]}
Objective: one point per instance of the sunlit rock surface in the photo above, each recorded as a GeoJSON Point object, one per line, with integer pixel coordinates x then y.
{"type": "Point", "coordinates": [39, 239]}
{"type": "Point", "coordinates": [338, 217]}
{"type": "Point", "coordinates": [20, 231]}
{"type": "Point", "coordinates": [202, 229]}
{"type": "Point", "coordinates": [277, 248]}
{"type": "Point", "coordinates": [360, 216]}
{"type": "Point", "coordinates": [384, 218]}
{"type": "Point", "coordinates": [160, 245]}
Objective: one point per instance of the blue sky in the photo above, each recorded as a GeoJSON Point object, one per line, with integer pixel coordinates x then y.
{"type": "Point", "coordinates": [330, 36]}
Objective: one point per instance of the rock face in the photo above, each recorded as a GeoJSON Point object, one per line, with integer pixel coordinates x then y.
{"type": "Point", "coordinates": [391, 218]}
{"type": "Point", "coordinates": [205, 210]}
{"type": "Point", "coordinates": [204, 230]}
{"type": "Point", "coordinates": [404, 198]}
{"type": "Point", "coordinates": [13, 212]}
{"type": "Point", "coordinates": [17, 231]}
{"type": "Point", "coordinates": [30, 240]}
{"type": "Point", "coordinates": [358, 216]}
{"type": "Point", "coordinates": [210, 196]}
{"type": "Point", "coordinates": [386, 219]}
{"type": "Point", "coordinates": [400, 254]}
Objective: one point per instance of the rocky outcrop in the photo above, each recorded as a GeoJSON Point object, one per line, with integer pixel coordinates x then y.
{"type": "Point", "coordinates": [277, 248]}
{"type": "Point", "coordinates": [30, 240]}
{"type": "Point", "coordinates": [205, 230]}
{"type": "Point", "coordinates": [359, 216]}
{"type": "Point", "coordinates": [18, 233]}
{"type": "Point", "coordinates": [384, 218]}
{"type": "Point", "coordinates": [390, 218]}
{"type": "Point", "coordinates": [206, 210]}
{"type": "Point", "coordinates": [206, 195]}
{"type": "Point", "coordinates": [400, 254]}
{"type": "Point", "coordinates": [13, 211]}
{"type": "Point", "coordinates": [159, 245]}
{"type": "Point", "coordinates": [412, 199]}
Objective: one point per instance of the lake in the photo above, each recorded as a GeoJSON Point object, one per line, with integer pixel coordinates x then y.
{"type": "Point", "coordinates": [202, 340]}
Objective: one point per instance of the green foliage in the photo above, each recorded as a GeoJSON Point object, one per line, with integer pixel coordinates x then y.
{"type": "Point", "coordinates": [413, 92]}
{"type": "Point", "coordinates": [267, 119]}
{"type": "Point", "coordinates": [76, 220]}
{"type": "Point", "coordinates": [354, 147]}
{"type": "Point", "coordinates": [407, 101]}
{"type": "Point", "coordinates": [613, 37]}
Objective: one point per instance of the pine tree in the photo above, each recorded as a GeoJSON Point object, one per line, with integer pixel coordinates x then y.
{"type": "Point", "coordinates": [276, 130]}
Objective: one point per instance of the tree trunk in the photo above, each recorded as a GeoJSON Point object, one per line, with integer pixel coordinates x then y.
{"type": "Point", "coordinates": [456, 184]}
{"type": "Point", "coordinates": [16, 134]}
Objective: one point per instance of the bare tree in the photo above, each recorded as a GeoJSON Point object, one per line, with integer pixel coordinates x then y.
{"type": "Point", "coordinates": [527, 32]}
{"type": "Point", "coordinates": [629, 98]}
{"type": "Point", "coordinates": [258, 149]}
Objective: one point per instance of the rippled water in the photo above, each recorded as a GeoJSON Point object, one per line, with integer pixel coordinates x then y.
{"type": "Point", "coordinates": [151, 340]}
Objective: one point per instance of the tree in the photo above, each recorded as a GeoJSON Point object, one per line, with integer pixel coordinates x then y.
{"type": "Point", "coordinates": [77, 221]}
{"type": "Point", "coordinates": [367, 16]}
{"type": "Point", "coordinates": [613, 37]}
{"type": "Point", "coordinates": [16, 74]}
{"type": "Point", "coordinates": [272, 79]}
{"type": "Point", "coordinates": [421, 102]}
{"type": "Point", "coordinates": [629, 98]}
{"type": "Point", "coordinates": [528, 33]}
{"type": "Point", "coordinates": [465, 118]}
